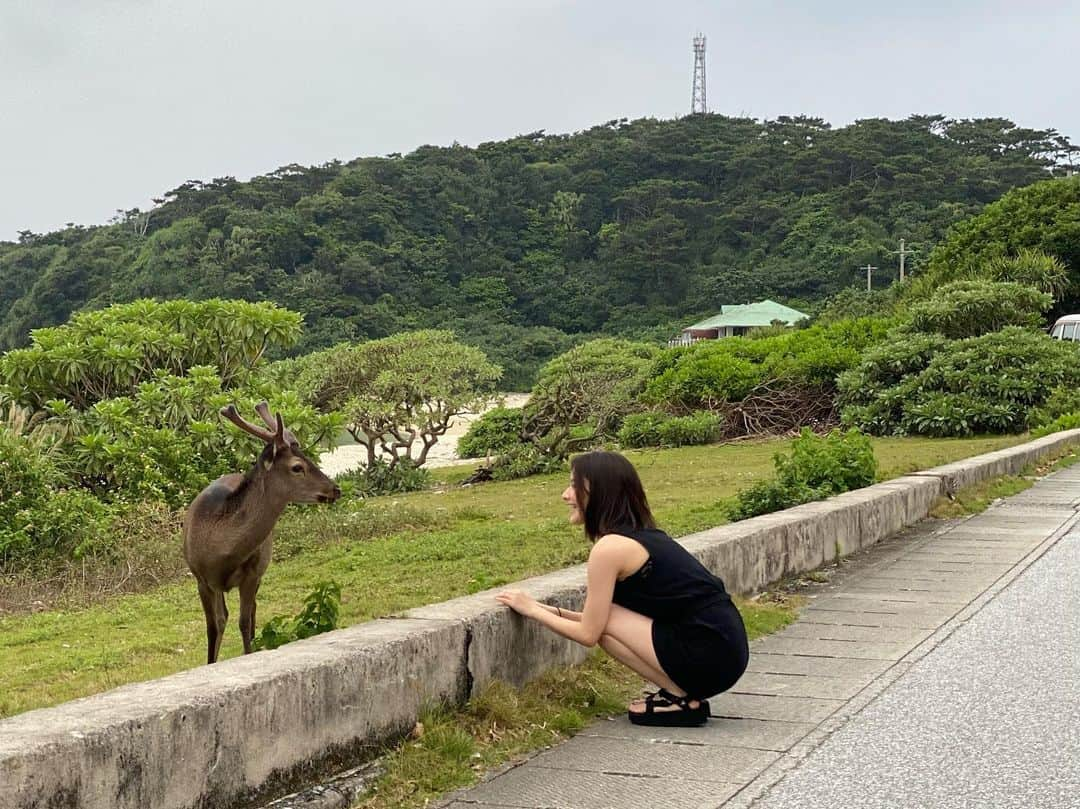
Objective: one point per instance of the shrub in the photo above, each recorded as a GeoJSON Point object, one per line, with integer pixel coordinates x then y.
{"type": "Point", "coordinates": [875, 392]}
{"type": "Point", "coordinates": [661, 430]}
{"type": "Point", "coordinates": [595, 383]}
{"type": "Point", "coordinates": [319, 614]}
{"type": "Point", "coordinates": [39, 517]}
{"type": "Point", "coordinates": [381, 478]}
{"type": "Point", "coordinates": [525, 460]}
{"type": "Point", "coordinates": [716, 371]}
{"type": "Point", "coordinates": [496, 431]}
{"type": "Point", "coordinates": [970, 308]}
{"type": "Point", "coordinates": [817, 467]}
{"type": "Point", "coordinates": [1039, 218]}
{"type": "Point", "coordinates": [1068, 421]}
{"type": "Point", "coordinates": [1061, 402]}
{"type": "Point", "coordinates": [992, 383]}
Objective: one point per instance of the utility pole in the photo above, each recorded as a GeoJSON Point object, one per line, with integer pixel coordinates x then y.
{"type": "Point", "coordinates": [903, 252]}
{"type": "Point", "coordinates": [869, 270]}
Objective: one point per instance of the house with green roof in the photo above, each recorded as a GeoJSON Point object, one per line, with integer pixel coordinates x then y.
{"type": "Point", "coordinates": [739, 319]}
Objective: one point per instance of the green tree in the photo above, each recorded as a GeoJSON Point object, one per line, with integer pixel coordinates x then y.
{"type": "Point", "coordinates": [108, 353]}
{"type": "Point", "coordinates": [399, 394]}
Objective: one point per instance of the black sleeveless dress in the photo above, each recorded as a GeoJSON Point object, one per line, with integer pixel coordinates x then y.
{"type": "Point", "coordinates": [697, 632]}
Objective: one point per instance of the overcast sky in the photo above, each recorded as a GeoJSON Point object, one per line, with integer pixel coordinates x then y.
{"type": "Point", "coordinates": [106, 104]}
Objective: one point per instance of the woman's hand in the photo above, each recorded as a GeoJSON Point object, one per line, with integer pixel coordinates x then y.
{"type": "Point", "coordinates": [519, 602]}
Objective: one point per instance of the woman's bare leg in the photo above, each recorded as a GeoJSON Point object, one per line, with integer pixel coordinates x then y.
{"type": "Point", "coordinates": [628, 638]}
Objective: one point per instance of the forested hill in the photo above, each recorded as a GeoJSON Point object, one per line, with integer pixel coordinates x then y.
{"type": "Point", "coordinates": [521, 244]}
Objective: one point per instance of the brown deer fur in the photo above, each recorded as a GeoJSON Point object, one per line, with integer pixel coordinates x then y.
{"type": "Point", "coordinates": [228, 528]}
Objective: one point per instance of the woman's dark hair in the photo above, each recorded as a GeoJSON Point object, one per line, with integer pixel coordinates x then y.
{"type": "Point", "coordinates": [614, 498]}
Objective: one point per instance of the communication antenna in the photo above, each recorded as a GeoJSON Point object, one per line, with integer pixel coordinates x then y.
{"type": "Point", "coordinates": [697, 101]}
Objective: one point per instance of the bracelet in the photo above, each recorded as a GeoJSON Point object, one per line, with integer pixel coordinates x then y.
{"type": "Point", "coordinates": [559, 610]}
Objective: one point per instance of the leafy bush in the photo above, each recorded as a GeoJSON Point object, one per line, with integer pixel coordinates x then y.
{"type": "Point", "coordinates": [817, 467]}
{"type": "Point", "coordinates": [852, 303]}
{"type": "Point", "coordinates": [1032, 268]}
{"type": "Point", "coordinates": [970, 308]}
{"type": "Point", "coordinates": [662, 430]}
{"type": "Point", "coordinates": [496, 431]}
{"type": "Point", "coordinates": [875, 392]}
{"type": "Point", "coordinates": [167, 441]}
{"type": "Point", "coordinates": [716, 371]}
{"type": "Point", "coordinates": [525, 460]}
{"type": "Point", "coordinates": [1061, 402]}
{"type": "Point", "coordinates": [381, 478]}
{"type": "Point", "coordinates": [992, 383]}
{"type": "Point", "coordinates": [319, 614]}
{"type": "Point", "coordinates": [39, 517]}
{"type": "Point", "coordinates": [108, 353]}
{"type": "Point", "coordinates": [1068, 421]}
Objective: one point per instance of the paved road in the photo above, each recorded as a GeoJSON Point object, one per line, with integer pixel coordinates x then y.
{"type": "Point", "coordinates": [990, 718]}
{"type": "Point", "coordinates": [940, 669]}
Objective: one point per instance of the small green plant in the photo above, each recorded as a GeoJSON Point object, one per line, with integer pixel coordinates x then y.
{"type": "Point", "coordinates": [817, 467]}
{"type": "Point", "coordinates": [382, 478]}
{"type": "Point", "coordinates": [1063, 401]}
{"type": "Point", "coordinates": [319, 614]}
{"type": "Point", "coordinates": [1068, 421]}
{"type": "Point", "coordinates": [524, 460]}
{"type": "Point", "coordinates": [661, 430]}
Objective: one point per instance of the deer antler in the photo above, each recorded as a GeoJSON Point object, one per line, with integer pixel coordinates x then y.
{"type": "Point", "coordinates": [275, 423]}
{"type": "Point", "coordinates": [234, 416]}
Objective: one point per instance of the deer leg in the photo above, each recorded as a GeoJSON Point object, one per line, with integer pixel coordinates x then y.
{"type": "Point", "coordinates": [248, 589]}
{"type": "Point", "coordinates": [217, 614]}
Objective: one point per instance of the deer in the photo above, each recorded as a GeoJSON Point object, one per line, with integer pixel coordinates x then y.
{"type": "Point", "coordinates": [228, 528]}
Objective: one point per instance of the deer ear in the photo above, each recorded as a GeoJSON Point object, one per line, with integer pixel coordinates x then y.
{"type": "Point", "coordinates": [269, 462]}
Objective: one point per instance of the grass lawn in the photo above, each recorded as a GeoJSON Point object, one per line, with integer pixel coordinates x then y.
{"type": "Point", "coordinates": [389, 554]}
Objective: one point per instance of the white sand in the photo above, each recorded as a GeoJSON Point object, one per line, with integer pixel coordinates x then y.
{"type": "Point", "coordinates": [444, 453]}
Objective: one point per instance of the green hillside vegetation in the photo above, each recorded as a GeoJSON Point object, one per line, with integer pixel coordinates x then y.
{"type": "Point", "coordinates": [1031, 235]}
{"type": "Point", "coordinates": [523, 246]}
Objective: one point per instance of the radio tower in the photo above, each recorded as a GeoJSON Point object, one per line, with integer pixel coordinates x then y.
{"type": "Point", "coordinates": [697, 103]}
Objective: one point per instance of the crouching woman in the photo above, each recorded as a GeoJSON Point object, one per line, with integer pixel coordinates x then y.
{"type": "Point", "coordinates": [649, 602]}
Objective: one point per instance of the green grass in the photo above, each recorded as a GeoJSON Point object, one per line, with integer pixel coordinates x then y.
{"type": "Point", "coordinates": [389, 554]}
{"type": "Point", "coordinates": [977, 498]}
{"type": "Point", "coordinates": [452, 748]}
{"type": "Point", "coordinates": [1069, 458]}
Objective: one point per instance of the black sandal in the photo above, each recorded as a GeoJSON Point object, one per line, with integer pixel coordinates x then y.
{"type": "Point", "coordinates": [685, 717]}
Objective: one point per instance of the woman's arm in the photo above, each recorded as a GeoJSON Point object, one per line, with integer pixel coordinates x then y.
{"type": "Point", "coordinates": [585, 627]}
{"type": "Point", "coordinates": [563, 612]}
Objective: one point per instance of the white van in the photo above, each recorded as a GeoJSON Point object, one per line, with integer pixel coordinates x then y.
{"type": "Point", "coordinates": [1067, 327]}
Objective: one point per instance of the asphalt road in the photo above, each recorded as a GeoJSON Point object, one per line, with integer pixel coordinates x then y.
{"type": "Point", "coordinates": [990, 718]}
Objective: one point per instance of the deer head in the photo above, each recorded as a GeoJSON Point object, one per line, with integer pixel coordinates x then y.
{"type": "Point", "coordinates": [283, 465]}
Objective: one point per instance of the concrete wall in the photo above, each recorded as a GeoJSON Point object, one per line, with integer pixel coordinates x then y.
{"type": "Point", "coordinates": [248, 729]}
